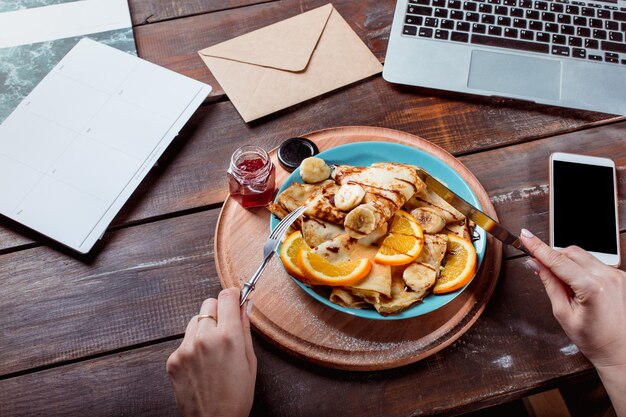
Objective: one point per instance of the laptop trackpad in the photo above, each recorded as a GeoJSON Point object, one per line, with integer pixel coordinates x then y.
{"type": "Point", "coordinates": [514, 74]}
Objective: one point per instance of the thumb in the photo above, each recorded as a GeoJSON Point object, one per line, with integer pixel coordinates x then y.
{"type": "Point", "coordinates": [247, 334]}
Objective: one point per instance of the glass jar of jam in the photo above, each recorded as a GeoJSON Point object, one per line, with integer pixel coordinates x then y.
{"type": "Point", "coordinates": [251, 177]}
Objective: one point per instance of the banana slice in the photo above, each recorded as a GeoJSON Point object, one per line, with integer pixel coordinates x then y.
{"type": "Point", "coordinates": [349, 196]}
{"type": "Point", "coordinates": [375, 237]}
{"type": "Point", "coordinates": [361, 221]}
{"type": "Point", "coordinates": [420, 277]}
{"type": "Point", "coordinates": [314, 170]}
{"type": "Point", "coordinates": [429, 219]}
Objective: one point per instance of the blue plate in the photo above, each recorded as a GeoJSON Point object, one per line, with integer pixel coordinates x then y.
{"type": "Point", "coordinates": [366, 153]}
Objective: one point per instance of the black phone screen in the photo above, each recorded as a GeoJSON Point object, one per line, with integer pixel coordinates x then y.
{"type": "Point", "coordinates": [584, 206]}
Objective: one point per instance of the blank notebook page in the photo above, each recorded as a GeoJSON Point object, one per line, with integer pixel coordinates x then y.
{"type": "Point", "coordinates": [77, 147]}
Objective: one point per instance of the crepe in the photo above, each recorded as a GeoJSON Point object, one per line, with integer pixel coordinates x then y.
{"type": "Point", "coordinates": [422, 273]}
{"type": "Point", "coordinates": [460, 229]}
{"type": "Point", "coordinates": [388, 186]}
{"type": "Point", "coordinates": [400, 299]}
{"type": "Point", "coordinates": [321, 220]}
{"type": "Point", "coordinates": [345, 298]}
{"type": "Point", "coordinates": [291, 198]}
{"type": "Point", "coordinates": [321, 203]}
{"type": "Point", "coordinates": [357, 231]}
{"type": "Point", "coordinates": [344, 248]}
{"type": "Point", "coordinates": [337, 249]}
{"type": "Point", "coordinates": [316, 231]}
{"type": "Point", "coordinates": [429, 219]}
{"type": "Point", "coordinates": [377, 282]}
{"type": "Point", "coordinates": [435, 204]}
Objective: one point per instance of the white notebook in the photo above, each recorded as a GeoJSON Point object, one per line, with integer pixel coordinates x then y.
{"type": "Point", "coordinates": [80, 143]}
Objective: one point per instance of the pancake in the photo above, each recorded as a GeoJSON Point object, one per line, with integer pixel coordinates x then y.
{"type": "Point", "coordinates": [388, 186]}
{"type": "Point", "coordinates": [321, 203]}
{"type": "Point", "coordinates": [316, 231]}
{"type": "Point", "coordinates": [344, 248]}
{"type": "Point", "coordinates": [400, 299]}
{"type": "Point", "coordinates": [461, 229]}
{"type": "Point", "coordinates": [429, 219]}
{"type": "Point", "coordinates": [422, 273]}
{"type": "Point", "coordinates": [345, 298]}
{"type": "Point", "coordinates": [427, 199]}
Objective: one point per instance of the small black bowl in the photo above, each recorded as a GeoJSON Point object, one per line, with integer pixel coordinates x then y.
{"type": "Point", "coordinates": [293, 151]}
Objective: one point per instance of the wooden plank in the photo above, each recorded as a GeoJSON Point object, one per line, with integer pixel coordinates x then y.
{"type": "Point", "coordinates": [132, 384]}
{"type": "Point", "coordinates": [191, 172]}
{"type": "Point", "coordinates": [151, 11]}
{"type": "Point", "coordinates": [515, 348]}
{"type": "Point", "coordinates": [139, 284]}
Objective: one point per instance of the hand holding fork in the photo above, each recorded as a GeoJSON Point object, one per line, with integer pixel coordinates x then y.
{"type": "Point", "coordinates": [269, 248]}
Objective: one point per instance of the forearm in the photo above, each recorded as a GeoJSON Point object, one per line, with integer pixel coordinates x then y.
{"type": "Point", "coordinates": [614, 381]}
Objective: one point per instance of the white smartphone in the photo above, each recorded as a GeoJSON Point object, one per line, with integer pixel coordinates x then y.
{"type": "Point", "coordinates": [583, 205]}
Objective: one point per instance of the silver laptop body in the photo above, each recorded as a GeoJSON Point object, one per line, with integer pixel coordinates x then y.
{"type": "Point", "coordinates": [543, 74]}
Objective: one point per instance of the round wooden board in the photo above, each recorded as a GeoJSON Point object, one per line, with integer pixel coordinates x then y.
{"type": "Point", "coordinates": [297, 323]}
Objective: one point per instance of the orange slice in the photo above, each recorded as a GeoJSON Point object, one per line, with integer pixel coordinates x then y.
{"type": "Point", "coordinates": [405, 224]}
{"type": "Point", "coordinates": [404, 242]}
{"type": "Point", "coordinates": [289, 254]}
{"type": "Point", "coordinates": [319, 271]}
{"type": "Point", "coordinates": [460, 265]}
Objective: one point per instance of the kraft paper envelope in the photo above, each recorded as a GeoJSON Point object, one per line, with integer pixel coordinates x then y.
{"type": "Point", "coordinates": [289, 62]}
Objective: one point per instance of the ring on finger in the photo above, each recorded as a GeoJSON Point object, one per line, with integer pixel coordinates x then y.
{"type": "Point", "coordinates": [207, 316]}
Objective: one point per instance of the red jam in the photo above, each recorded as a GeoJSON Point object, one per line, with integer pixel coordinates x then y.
{"type": "Point", "coordinates": [252, 177]}
{"type": "Point", "coordinates": [251, 165]}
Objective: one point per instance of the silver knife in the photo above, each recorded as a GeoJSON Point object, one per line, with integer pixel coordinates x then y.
{"type": "Point", "coordinates": [481, 219]}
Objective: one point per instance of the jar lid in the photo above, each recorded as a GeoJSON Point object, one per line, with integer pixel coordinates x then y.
{"type": "Point", "coordinates": [293, 151]}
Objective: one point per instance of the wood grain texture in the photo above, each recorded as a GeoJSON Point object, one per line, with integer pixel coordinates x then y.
{"type": "Point", "coordinates": [143, 282]}
{"type": "Point", "coordinates": [151, 11]}
{"type": "Point", "coordinates": [128, 384]}
{"type": "Point", "coordinates": [191, 172]}
{"type": "Point", "coordinates": [458, 123]}
{"type": "Point", "coordinates": [296, 322]}
{"type": "Point", "coordinates": [516, 323]}
{"type": "Point", "coordinates": [515, 348]}
{"type": "Point", "coordinates": [140, 284]}
{"type": "Point", "coordinates": [547, 404]}
{"type": "Point", "coordinates": [517, 176]}
{"type": "Point", "coordinates": [175, 44]}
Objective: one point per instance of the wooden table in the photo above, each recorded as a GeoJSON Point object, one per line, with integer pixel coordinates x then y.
{"type": "Point", "coordinates": [90, 335]}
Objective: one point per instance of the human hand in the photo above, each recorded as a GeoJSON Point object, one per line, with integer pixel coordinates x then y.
{"type": "Point", "coordinates": [213, 371]}
{"type": "Point", "coordinates": [589, 301]}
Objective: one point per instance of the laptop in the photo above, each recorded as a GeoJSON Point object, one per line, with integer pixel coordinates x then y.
{"type": "Point", "coordinates": [556, 52]}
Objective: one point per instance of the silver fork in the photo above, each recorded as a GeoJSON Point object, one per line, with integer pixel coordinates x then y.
{"type": "Point", "coordinates": [269, 248]}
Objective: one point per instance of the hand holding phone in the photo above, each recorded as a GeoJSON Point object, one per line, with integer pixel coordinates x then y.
{"type": "Point", "coordinates": [583, 205]}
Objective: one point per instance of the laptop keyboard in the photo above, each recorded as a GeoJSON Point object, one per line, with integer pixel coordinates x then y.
{"type": "Point", "coordinates": [564, 28]}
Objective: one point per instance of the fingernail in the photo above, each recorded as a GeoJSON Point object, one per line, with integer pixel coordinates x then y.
{"type": "Point", "coordinates": [532, 265]}
{"type": "Point", "coordinates": [527, 233]}
{"type": "Point", "coordinates": [248, 308]}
